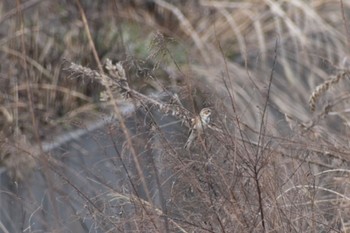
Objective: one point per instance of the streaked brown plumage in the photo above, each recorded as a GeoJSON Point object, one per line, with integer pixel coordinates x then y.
{"type": "Point", "coordinates": [199, 123]}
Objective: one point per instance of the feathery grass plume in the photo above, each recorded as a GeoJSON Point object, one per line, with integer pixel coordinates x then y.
{"type": "Point", "coordinates": [158, 48]}
{"type": "Point", "coordinates": [118, 81]}
{"type": "Point", "coordinates": [85, 72]}
{"type": "Point", "coordinates": [322, 88]}
{"type": "Point", "coordinates": [118, 84]}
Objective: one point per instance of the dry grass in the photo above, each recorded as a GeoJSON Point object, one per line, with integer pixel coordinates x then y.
{"type": "Point", "coordinates": [266, 163]}
{"type": "Point", "coordinates": [322, 88]}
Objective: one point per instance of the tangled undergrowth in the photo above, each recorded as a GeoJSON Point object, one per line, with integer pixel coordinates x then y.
{"type": "Point", "coordinates": [275, 157]}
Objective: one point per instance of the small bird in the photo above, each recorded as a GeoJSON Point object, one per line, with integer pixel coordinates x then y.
{"type": "Point", "coordinates": [199, 123]}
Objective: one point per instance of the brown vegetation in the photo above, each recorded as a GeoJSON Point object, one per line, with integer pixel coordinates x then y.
{"type": "Point", "coordinates": [274, 158]}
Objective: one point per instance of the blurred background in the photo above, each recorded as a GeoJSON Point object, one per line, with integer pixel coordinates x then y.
{"type": "Point", "coordinates": [279, 163]}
